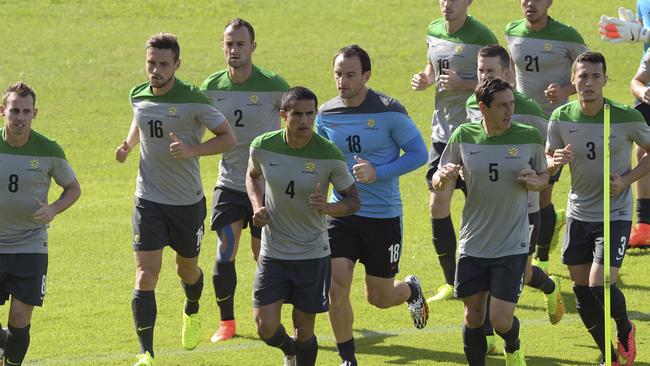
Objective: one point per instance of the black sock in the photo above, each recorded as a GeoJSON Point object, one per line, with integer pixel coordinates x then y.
{"type": "Point", "coordinates": [444, 241]}
{"type": "Point", "coordinates": [592, 315]}
{"type": "Point", "coordinates": [643, 210]}
{"type": "Point", "coordinates": [193, 295]}
{"type": "Point", "coordinates": [547, 219]}
{"type": "Point", "coordinates": [511, 337]}
{"type": "Point", "coordinates": [224, 281]}
{"type": "Point", "coordinates": [144, 317]}
{"type": "Point", "coordinates": [541, 281]}
{"type": "Point", "coordinates": [474, 345]}
{"type": "Point", "coordinates": [346, 351]}
{"type": "Point", "coordinates": [618, 307]}
{"type": "Point", "coordinates": [282, 341]}
{"type": "Point", "coordinates": [488, 329]}
{"type": "Point", "coordinates": [4, 334]}
{"type": "Point", "coordinates": [306, 352]}
{"type": "Point", "coordinates": [17, 344]}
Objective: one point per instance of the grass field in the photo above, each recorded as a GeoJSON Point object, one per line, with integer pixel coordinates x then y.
{"type": "Point", "coordinates": [82, 57]}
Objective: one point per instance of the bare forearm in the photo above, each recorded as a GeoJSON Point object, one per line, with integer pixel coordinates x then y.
{"type": "Point", "coordinates": [641, 169]}
{"type": "Point", "coordinates": [568, 90]}
{"type": "Point", "coordinates": [255, 189]}
{"type": "Point", "coordinates": [540, 183]}
{"type": "Point", "coordinates": [69, 196]}
{"type": "Point", "coordinates": [133, 138]}
{"type": "Point", "coordinates": [216, 145]}
{"type": "Point", "coordinates": [345, 207]}
{"type": "Point", "coordinates": [638, 89]}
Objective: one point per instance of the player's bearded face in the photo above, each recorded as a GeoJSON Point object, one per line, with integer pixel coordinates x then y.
{"type": "Point", "coordinates": [589, 80]}
{"type": "Point", "coordinates": [18, 114]}
{"type": "Point", "coordinates": [237, 47]}
{"type": "Point", "coordinates": [535, 10]}
{"type": "Point", "coordinates": [453, 9]}
{"type": "Point", "coordinates": [161, 66]}
{"type": "Point", "coordinates": [350, 80]}
{"type": "Point", "coordinates": [499, 114]}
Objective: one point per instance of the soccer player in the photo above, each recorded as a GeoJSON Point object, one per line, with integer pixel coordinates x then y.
{"type": "Point", "coordinates": [288, 176]}
{"type": "Point", "coordinates": [453, 44]}
{"type": "Point", "coordinates": [629, 29]}
{"type": "Point", "coordinates": [28, 162]}
{"type": "Point", "coordinates": [575, 137]}
{"type": "Point", "coordinates": [169, 119]}
{"type": "Point", "coordinates": [371, 129]}
{"type": "Point", "coordinates": [250, 98]}
{"type": "Point", "coordinates": [506, 159]}
{"type": "Point", "coordinates": [543, 49]}
{"type": "Point", "coordinates": [494, 61]}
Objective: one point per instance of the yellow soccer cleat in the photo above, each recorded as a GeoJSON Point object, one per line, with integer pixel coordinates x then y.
{"type": "Point", "coordinates": [144, 360]}
{"type": "Point", "coordinates": [191, 335]}
{"type": "Point", "coordinates": [445, 292]}
{"type": "Point", "coordinates": [560, 221]}
{"type": "Point", "coordinates": [516, 358]}
{"type": "Point", "coordinates": [555, 302]}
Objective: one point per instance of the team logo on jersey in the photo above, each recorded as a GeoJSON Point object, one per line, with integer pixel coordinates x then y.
{"type": "Point", "coordinates": [513, 153]}
{"type": "Point", "coordinates": [34, 165]}
{"type": "Point", "coordinates": [172, 112]}
{"type": "Point", "coordinates": [548, 48]}
{"type": "Point", "coordinates": [371, 123]}
{"type": "Point", "coordinates": [310, 167]}
{"type": "Point", "coordinates": [459, 50]}
{"type": "Point", "coordinates": [254, 100]}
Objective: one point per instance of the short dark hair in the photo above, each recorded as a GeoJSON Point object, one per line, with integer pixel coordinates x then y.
{"type": "Point", "coordinates": [591, 57]}
{"type": "Point", "coordinates": [21, 89]}
{"type": "Point", "coordinates": [485, 91]}
{"type": "Point", "coordinates": [297, 93]}
{"type": "Point", "coordinates": [352, 51]}
{"type": "Point", "coordinates": [238, 23]}
{"type": "Point", "coordinates": [495, 50]}
{"type": "Point", "coordinates": [165, 41]}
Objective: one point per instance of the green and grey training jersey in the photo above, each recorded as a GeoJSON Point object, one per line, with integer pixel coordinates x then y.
{"type": "Point", "coordinates": [186, 112]}
{"type": "Point", "coordinates": [26, 174]}
{"type": "Point", "coordinates": [456, 52]}
{"type": "Point", "coordinates": [568, 125]}
{"type": "Point", "coordinates": [295, 230]}
{"type": "Point", "coordinates": [252, 108]}
{"type": "Point", "coordinates": [494, 220]}
{"type": "Point", "coordinates": [543, 57]}
{"type": "Point", "coordinates": [528, 112]}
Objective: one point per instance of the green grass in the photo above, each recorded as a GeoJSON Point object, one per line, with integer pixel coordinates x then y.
{"type": "Point", "coordinates": [83, 57]}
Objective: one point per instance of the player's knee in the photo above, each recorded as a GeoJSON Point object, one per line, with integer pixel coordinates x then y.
{"type": "Point", "coordinates": [265, 329]}
{"type": "Point", "coordinates": [146, 279]}
{"type": "Point", "coordinates": [439, 210]}
{"type": "Point", "coordinates": [501, 323]}
{"type": "Point", "coordinates": [187, 273]}
{"type": "Point", "coordinates": [303, 332]}
{"type": "Point", "coordinates": [20, 318]}
{"type": "Point", "coordinates": [338, 293]}
{"type": "Point", "coordinates": [474, 318]}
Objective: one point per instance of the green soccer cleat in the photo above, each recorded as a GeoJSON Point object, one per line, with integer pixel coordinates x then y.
{"type": "Point", "coordinates": [560, 221]}
{"type": "Point", "coordinates": [516, 358]}
{"type": "Point", "coordinates": [445, 292]}
{"type": "Point", "coordinates": [191, 335]}
{"type": "Point", "coordinates": [491, 341]}
{"type": "Point", "coordinates": [555, 302]}
{"type": "Point", "coordinates": [144, 360]}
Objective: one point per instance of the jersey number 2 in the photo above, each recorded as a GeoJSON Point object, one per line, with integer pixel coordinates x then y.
{"type": "Point", "coordinates": [239, 114]}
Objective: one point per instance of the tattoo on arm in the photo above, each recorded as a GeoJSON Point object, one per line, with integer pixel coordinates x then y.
{"type": "Point", "coordinates": [351, 199]}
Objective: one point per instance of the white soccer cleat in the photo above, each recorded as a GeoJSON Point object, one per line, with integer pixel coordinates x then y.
{"type": "Point", "coordinates": [418, 307]}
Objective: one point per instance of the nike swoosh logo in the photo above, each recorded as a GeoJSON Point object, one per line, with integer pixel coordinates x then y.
{"type": "Point", "coordinates": [631, 35]}
{"type": "Point", "coordinates": [224, 299]}
{"type": "Point", "coordinates": [10, 363]}
{"type": "Point", "coordinates": [473, 152]}
{"type": "Point", "coordinates": [619, 258]}
{"type": "Point", "coordinates": [273, 164]}
{"type": "Point", "coordinates": [140, 329]}
{"type": "Point", "coordinates": [572, 131]}
{"type": "Point", "coordinates": [220, 99]}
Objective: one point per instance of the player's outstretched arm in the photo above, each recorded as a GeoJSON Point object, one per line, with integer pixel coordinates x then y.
{"type": "Point", "coordinates": [224, 140]}
{"type": "Point", "coordinates": [415, 155]}
{"type": "Point", "coordinates": [46, 213]}
{"type": "Point", "coordinates": [639, 88]}
{"type": "Point", "coordinates": [424, 79]}
{"type": "Point", "coordinates": [132, 139]}
{"type": "Point", "coordinates": [625, 28]}
{"type": "Point", "coordinates": [345, 207]}
{"type": "Point", "coordinates": [619, 183]}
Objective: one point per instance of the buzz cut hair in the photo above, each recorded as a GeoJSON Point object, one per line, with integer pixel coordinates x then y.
{"type": "Point", "coordinates": [591, 57]}
{"type": "Point", "coordinates": [165, 41]}
{"type": "Point", "coordinates": [495, 50]}
{"type": "Point", "coordinates": [295, 94]}
{"type": "Point", "coordinates": [355, 51]}
{"type": "Point", "coordinates": [485, 91]}
{"type": "Point", "coordinates": [21, 89]}
{"type": "Point", "coordinates": [238, 23]}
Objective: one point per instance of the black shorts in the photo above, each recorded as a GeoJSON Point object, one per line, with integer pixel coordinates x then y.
{"type": "Point", "coordinates": [555, 177]}
{"type": "Point", "coordinates": [503, 277]}
{"type": "Point", "coordinates": [228, 206]}
{"type": "Point", "coordinates": [375, 242]}
{"type": "Point", "coordinates": [22, 275]}
{"type": "Point", "coordinates": [534, 221]}
{"type": "Point", "coordinates": [584, 243]}
{"type": "Point", "coordinates": [156, 225]}
{"type": "Point", "coordinates": [435, 152]}
{"type": "Point", "coordinates": [644, 109]}
{"type": "Point", "coordinates": [305, 283]}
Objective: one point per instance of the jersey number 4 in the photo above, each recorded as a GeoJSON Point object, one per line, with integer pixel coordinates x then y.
{"type": "Point", "coordinates": [290, 189]}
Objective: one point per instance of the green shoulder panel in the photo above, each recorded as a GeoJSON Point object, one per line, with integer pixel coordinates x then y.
{"type": "Point", "coordinates": [554, 31]}
{"type": "Point", "coordinates": [527, 106]}
{"type": "Point", "coordinates": [318, 148]}
{"type": "Point", "coordinates": [261, 80]}
{"type": "Point", "coordinates": [517, 134]}
{"type": "Point", "coordinates": [471, 102]}
{"type": "Point", "coordinates": [37, 145]}
{"type": "Point", "coordinates": [181, 92]}
{"type": "Point", "coordinates": [620, 113]}
{"type": "Point", "coordinates": [472, 32]}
